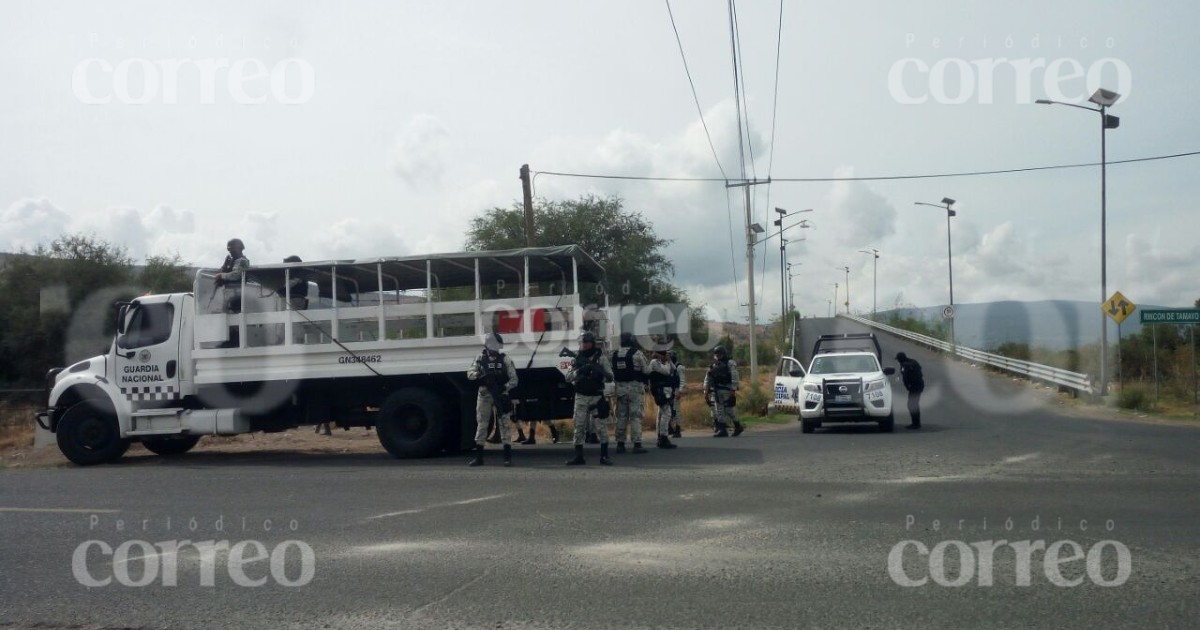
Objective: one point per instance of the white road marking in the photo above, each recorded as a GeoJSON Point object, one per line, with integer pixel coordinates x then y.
{"type": "Point", "coordinates": [491, 497]}
{"type": "Point", "coordinates": [1017, 459]}
{"type": "Point", "coordinates": [58, 510]}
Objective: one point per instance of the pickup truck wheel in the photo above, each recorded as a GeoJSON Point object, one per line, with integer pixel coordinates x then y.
{"type": "Point", "coordinates": [88, 434]}
{"type": "Point", "coordinates": [808, 426]}
{"type": "Point", "coordinates": [410, 423]}
{"type": "Point", "coordinates": [171, 446]}
{"type": "Point", "coordinates": [888, 424]}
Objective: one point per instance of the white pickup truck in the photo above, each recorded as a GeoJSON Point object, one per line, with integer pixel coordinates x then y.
{"type": "Point", "coordinates": [382, 342]}
{"type": "Point", "coordinates": [846, 383]}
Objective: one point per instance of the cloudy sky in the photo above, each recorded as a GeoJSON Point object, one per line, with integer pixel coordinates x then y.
{"type": "Point", "coordinates": [357, 129]}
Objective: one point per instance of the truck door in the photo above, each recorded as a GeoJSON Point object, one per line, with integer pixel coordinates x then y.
{"type": "Point", "coordinates": [147, 353]}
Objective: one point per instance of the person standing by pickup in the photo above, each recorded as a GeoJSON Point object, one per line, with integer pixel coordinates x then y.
{"type": "Point", "coordinates": [720, 392]}
{"type": "Point", "coordinates": [631, 371]}
{"type": "Point", "coordinates": [494, 373]}
{"type": "Point", "coordinates": [914, 382]}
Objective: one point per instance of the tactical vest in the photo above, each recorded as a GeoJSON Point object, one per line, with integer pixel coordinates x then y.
{"type": "Point", "coordinates": [494, 365]}
{"type": "Point", "coordinates": [590, 380]}
{"type": "Point", "coordinates": [660, 381]}
{"type": "Point", "coordinates": [719, 375]}
{"type": "Point", "coordinates": [624, 369]}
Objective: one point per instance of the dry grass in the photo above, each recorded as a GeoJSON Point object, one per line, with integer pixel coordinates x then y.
{"type": "Point", "coordinates": [16, 428]}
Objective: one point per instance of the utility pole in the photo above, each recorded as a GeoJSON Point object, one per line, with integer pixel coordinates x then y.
{"type": "Point", "coordinates": [874, 280]}
{"type": "Point", "coordinates": [847, 270]}
{"type": "Point", "coordinates": [751, 230]}
{"type": "Point", "coordinates": [527, 194]}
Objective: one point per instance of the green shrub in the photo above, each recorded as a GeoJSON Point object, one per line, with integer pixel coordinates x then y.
{"type": "Point", "coordinates": [1135, 398]}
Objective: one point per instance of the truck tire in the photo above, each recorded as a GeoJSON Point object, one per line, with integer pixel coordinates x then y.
{"type": "Point", "coordinates": [88, 434]}
{"type": "Point", "coordinates": [888, 424]}
{"type": "Point", "coordinates": [808, 426]}
{"type": "Point", "coordinates": [171, 445]}
{"type": "Point", "coordinates": [411, 423]}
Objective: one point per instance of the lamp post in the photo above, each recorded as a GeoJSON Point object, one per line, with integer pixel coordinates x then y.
{"type": "Point", "coordinates": [835, 294]}
{"type": "Point", "coordinates": [782, 256]}
{"type": "Point", "coordinates": [874, 278]}
{"type": "Point", "coordinates": [847, 270]}
{"type": "Point", "coordinates": [1103, 100]}
{"type": "Point", "coordinates": [946, 203]}
{"type": "Point", "coordinates": [791, 289]}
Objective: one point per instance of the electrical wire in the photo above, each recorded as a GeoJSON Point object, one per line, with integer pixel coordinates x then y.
{"type": "Point", "coordinates": [876, 178]}
{"type": "Point", "coordinates": [695, 97]}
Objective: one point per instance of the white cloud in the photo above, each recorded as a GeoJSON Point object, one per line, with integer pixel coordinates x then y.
{"type": "Point", "coordinates": [421, 152]}
{"type": "Point", "coordinates": [28, 222]}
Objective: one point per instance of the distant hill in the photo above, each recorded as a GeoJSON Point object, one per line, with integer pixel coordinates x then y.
{"type": "Point", "coordinates": [1053, 324]}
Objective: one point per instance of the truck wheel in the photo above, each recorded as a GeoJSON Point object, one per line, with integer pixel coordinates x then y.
{"type": "Point", "coordinates": [888, 424]}
{"type": "Point", "coordinates": [88, 434]}
{"type": "Point", "coordinates": [410, 423]}
{"type": "Point", "coordinates": [808, 426]}
{"type": "Point", "coordinates": [171, 446]}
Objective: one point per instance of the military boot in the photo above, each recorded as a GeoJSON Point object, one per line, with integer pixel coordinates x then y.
{"type": "Point", "coordinates": [507, 455]}
{"type": "Point", "coordinates": [521, 435]}
{"type": "Point", "coordinates": [737, 428]}
{"type": "Point", "coordinates": [604, 460]}
{"type": "Point", "coordinates": [722, 432]}
{"type": "Point", "coordinates": [665, 442]}
{"type": "Point", "coordinates": [637, 448]}
{"type": "Point", "coordinates": [620, 447]}
{"type": "Point", "coordinates": [478, 460]}
{"type": "Point", "coordinates": [578, 461]}
{"type": "Point", "coordinates": [553, 432]}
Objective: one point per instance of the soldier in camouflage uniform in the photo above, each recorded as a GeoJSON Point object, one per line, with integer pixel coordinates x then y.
{"type": "Point", "coordinates": [631, 371]}
{"type": "Point", "coordinates": [492, 371]}
{"type": "Point", "coordinates": [720, 387]}
{"type": "Point", "coordinates": [664, 386]}
{"type": "Point", "coordinates": [589, 370]}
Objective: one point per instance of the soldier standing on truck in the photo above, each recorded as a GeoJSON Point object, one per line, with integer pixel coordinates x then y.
{"type": "Point", "coordinates": [494, 373]}
{"type": "Point", "coordinates": [720, 387]}
{"type": "Point", "coordinates": [589, 370]}
{"type": "Point", "coordinates": [230, 277]}
{"type": "Point", "coordinates": [631, 371]}
{"type": "Point", "coordinates": [664, 385]}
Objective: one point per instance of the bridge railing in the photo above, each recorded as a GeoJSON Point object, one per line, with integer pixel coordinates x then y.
{"type": "Point", "coordinates": [1075, 381]}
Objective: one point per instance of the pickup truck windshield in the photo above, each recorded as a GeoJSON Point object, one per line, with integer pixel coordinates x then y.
{"type": "Point", "coordinates": [844, 364]}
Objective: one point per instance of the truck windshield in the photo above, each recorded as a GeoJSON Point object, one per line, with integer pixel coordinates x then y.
{"type": "Point", "coordinates": [149, 324]}
{"type": "Point", "coordinates": [844, 364]}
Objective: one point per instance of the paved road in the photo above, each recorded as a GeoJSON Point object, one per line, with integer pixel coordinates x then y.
{"type": "Point", "coordinates": [772, 529]}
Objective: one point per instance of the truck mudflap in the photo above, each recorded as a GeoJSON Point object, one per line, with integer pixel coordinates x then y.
{"type": "Point", "coordinates": [43, 418]}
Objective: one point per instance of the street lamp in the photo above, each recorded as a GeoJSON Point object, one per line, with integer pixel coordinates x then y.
{"type": "Point", "coordinates": [791, 289]}
{"type": "Point", "coordinates": [1103, 99]}
{"type": "Point", "coordinates": [783, 243]}
{"type": "Point", "coordinates": [946, 203]}
{"type": "Point", "coordinates": [835, 294]}
{"type": "Point", "coordinates": [847, 270]}
{"type": "Point", "coordinates": [874, 277]}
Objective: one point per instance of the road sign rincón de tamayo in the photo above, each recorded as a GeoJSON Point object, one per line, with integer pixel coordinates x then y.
{"type": "Point", "coordinates": [1118, 307]}
{"type": "Point", "coordinates": [1171, 316]}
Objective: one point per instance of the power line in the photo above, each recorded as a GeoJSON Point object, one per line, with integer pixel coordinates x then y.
{"type": "Point", "coordinates": [695, 98]}
{"type": "Point", "coordinates": [737, 103]}
{"type": "Point", "coordinates": [874, 178]}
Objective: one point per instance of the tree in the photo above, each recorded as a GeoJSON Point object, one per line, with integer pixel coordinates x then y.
{"type": "Point", "coordinates": [623, 241]}
{"type": "Point", "coordinates": [42, 290]}
{"type": "Point", "coordinates": [166, 274]}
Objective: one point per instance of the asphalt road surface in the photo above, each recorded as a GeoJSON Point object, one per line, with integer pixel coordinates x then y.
{"type": "Point", "coordinates": [771, 529]}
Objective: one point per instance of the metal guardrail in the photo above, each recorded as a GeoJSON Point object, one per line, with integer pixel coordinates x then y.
{"type": "Point", "coordinates": [1075, 381]}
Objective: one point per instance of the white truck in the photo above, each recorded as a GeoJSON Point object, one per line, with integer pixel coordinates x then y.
{"type": "Point", "coordinates": [378, 342]}
{"type": "Point", "coordinates": [846, 382]}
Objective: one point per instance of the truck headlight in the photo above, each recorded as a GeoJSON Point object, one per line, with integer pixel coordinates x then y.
{"type": "Point", "coordinates": [812, 387]}
{"type": "Point", "coordinates": [874, 385]}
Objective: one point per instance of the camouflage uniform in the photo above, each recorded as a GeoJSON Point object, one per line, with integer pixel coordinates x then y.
{"type": "Point", "coordinates": [500, 366]}
{"type": "Point", "coordinates": [630, 370]}
{"type": "Point", "coordinates": [722, 381]}
{"type": "Point", "coordinates": [663, 377]}
{"type": "Point", "coordinates": [588, 395]}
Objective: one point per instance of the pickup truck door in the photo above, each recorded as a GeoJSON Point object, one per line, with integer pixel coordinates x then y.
{"type": "Point", "coordinates": [788, 378]}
